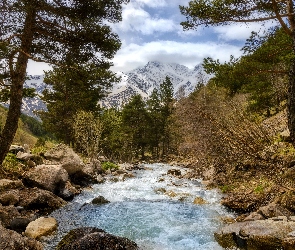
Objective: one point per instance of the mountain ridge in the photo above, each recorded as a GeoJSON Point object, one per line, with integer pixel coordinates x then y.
{"type": "Point", "coordinates": [141, 80]}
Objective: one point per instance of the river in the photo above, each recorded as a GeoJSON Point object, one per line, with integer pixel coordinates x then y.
{"type": "Point", "coordinates": [140, 210]}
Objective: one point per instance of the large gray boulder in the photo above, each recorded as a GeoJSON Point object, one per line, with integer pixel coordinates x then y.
{"type": "Point", "coordinates": [49, 177]}
{"type": "Point", "coordinates": [256, 235]}
{"type": "Point", "coordinates": [66, 157]}
{"type": "Point", "coordinates": [94, 239]}
{"type": "Point", "coordinates": [11, 240]}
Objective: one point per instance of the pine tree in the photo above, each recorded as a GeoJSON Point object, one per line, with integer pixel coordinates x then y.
{"type": "Point", "coordinates": [166, 97]}
{"type": "Point", "coordinates": [155, 127]}
{"type": "Point", "coordinates": [57, 32]}
{"type": "Point", "coordinates": [72, 90]}
{"type": "Point", "coordinates": [134, 121]}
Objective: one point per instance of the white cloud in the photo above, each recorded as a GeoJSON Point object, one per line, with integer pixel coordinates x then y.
{"type": "Point", "coordinates": [37, 68]}
{"type": "Point", "coordinates": [188, 54]}
{"type": "Point", "coordinates": [136, 19]}
{"type": "Point", "coordinates": [240, 32]}
{"type": "Point", "coordinates": [152, 3]}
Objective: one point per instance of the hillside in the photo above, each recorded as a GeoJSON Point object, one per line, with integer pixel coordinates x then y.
{"type": "Point", "coordinates": [29, 129]}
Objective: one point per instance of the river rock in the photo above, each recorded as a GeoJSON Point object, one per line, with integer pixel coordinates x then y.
{"type": "Point", "coordinates": [10, 197]}
{"type": "Point", "coordinates": [287, 200]}
{"type": "Point", "coordinates": [66, 157]}
{"type": "Point", "coordinates": [6, 184]}
{"type": "Point", "coordinates": [94, 239]}
{"type": "Point", "coordinates": [19, 224]}
{"type": "Point", "coordinates": [99, 200]}
{"type": "Point", "coordinates": [11, 240]}
{"type": "Point", "coordinates": [199, 201]}
{"type": "Point", "coordinates": [7, 214]}
{"type": "Point", "coordinates": [171, 193]}
{"type": "Point", "coordinates": [100, 179]}
{"type": "Point", "coordinates": [85, 176]}
{"type": "Point", "coordinates": [255, 235]}
{"type": "Point", "coordinates": [274, 210]}
{"type": "Point", "coordinates": [208, 174]}
{"type": "Point", "coordinates": [175, 172]}
{"type": "Point", "coordinates": [254, 216]}
{"type": "Point", "coordinates": [243, 203]}
{"type": "Point", "coordinates": [23, 156]}
{"type": "Point", "coordinates": [68, 192]}
{"type": "Point", "coordinates": [41, 227]}
{"type": "Point", "coordinates": [38, 199]}
{"type": "Point", "coordinates": [49, 177]}
{"type": "Point", "coordinates": [14, 149]}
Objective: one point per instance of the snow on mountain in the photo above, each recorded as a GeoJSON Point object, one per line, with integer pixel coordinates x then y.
{"type": "Point", "coordinates": [138, 81]}
{"type": "Point", "coordinates": [144, 79]}
{"type": "Point", "coordinates": [33, 104]}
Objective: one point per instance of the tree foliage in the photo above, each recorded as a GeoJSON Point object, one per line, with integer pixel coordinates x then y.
{"type": "Point", "coordinates": [134, 122]}
{"type": "Point", "coordinates": [58, 32]}
{"type": "Point", "coordinates": [261, 72]}
{"type": "Point", "coordinates": [87, 133]}
{"type": "Point", "coordinates": [69, 91]}
{"type": "Point", "coordinates": [224, 12]}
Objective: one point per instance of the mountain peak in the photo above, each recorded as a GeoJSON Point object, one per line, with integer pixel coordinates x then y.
{"type": "Point", "coordinates": [141, 81]}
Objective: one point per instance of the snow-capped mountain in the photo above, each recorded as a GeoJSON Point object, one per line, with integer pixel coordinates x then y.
{"type": "Point", "coordinates": [144, 79]}
{"type": "Point", "coordinates": [33, 104]}
{"type": "Point", "coordinates": [138, 81]}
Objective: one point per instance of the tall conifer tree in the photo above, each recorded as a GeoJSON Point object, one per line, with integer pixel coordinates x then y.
{"type": "Point", "coordinates": [58, 32]}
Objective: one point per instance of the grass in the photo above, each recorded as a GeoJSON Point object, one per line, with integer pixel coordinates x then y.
{"type": "Point", "coordinates": [109, 166]}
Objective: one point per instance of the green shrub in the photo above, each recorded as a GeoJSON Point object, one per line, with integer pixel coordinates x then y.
{"type": "Point", "coordinates": [109, 165]}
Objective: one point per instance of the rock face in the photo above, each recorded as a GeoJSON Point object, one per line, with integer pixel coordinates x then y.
{"type": "Point", "coordinates": [256, 235]}
{"type": "Point", "coordinates": [94, 239]}
{"type": "Point", "coordinates": [49, 177]}
{"type": "Point", "coordinates": [10, 240]}
{"type": "Point", "coordinates": [66, 157]}
{"type": "Point", "coordinates": [41, 227]}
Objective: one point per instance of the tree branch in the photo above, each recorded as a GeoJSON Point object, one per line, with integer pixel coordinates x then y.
{"type": "Point", "coordinates": [280, 19]}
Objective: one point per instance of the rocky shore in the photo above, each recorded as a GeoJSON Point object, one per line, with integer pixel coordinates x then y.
{"type": "Point", "coordinates": [261, 193]}
{"type": "Point", "coordinates": [262, 196]}
{"type": "Point", "coordinates": [51, 180]}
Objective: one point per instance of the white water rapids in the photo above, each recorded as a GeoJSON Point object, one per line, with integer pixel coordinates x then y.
{"type": "Point", "coordinates": [142, 212]}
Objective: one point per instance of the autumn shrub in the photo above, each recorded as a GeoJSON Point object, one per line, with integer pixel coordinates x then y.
{"type": "Point", "coordinates": [216, 127]}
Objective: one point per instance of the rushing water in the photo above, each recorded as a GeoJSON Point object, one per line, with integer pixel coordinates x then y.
{"type": "Point", "coordinates": [141, 211]}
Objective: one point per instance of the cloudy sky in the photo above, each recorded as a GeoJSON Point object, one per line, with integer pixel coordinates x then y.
{"type": "Point", "coordinates": [151, 31]}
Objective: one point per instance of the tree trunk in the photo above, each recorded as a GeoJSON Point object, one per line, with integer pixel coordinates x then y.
{"type": "Point", "coordinates": [291, 103]}
{"type": "Point", "coordinates": [18, 75]}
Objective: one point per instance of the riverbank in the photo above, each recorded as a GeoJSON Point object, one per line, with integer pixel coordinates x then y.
{"type": "Point", "coordinates": [257, 191]}
{"type": "Point", "coordinates": [261, 192]}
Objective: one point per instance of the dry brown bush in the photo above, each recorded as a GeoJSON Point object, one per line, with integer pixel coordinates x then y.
{"type": "Point", "coordinates": [216, 127]}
